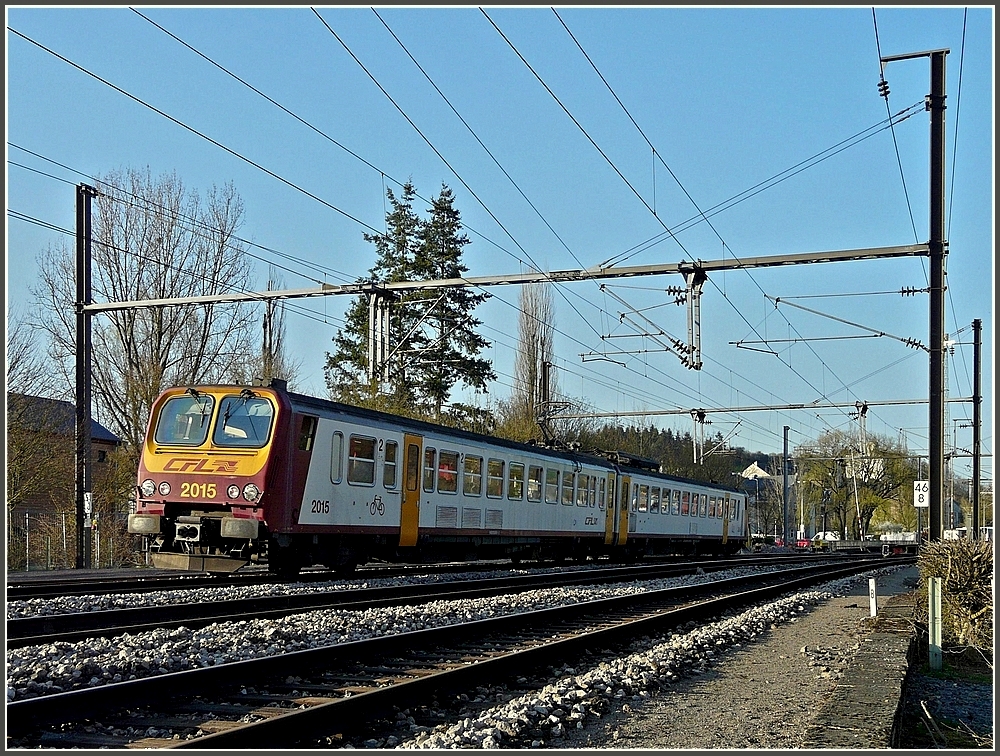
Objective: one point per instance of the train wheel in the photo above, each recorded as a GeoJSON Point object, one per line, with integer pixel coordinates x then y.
{"type": "Point", "coordinates": [283, 562]}
{"type": "Point", "coordinates": [346, 569]}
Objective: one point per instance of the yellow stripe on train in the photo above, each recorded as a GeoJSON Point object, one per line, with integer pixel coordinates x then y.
{"type": "Point", "coordinates": [195, 463]}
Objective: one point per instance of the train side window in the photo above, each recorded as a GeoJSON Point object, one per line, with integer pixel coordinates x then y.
{"type": "Point", "coordinates": [582, 483]}
{"type": "Point", "coordinates": [711, 506]}
{"type": "Point", "coordinates": [308, 433]}
{"type": "Point", "coordinates": [494, 478]}
{"type": "Point", "coordinates": [703, 509]}
{"type": "Point", "coordinates": [337, 458]}
{"type": "Point", "coordinates": [389, 465]}
{"type": "Point", "coordinates": [551, 486]}
{"type": "Point", "coordinates": [592, 492]}
{"type": "Point", "coordinates": [448, 472]}
{"type": "Point", "coordinates": [675, 502]}
{"type": "Point", "coordinates": [534, 483]}
{"type": "Point", "coordinates": [654, 499]}
{"type": "Point", "coordinates": [361, 461]}
{"type": "Point", "coordinates": [600, 493]}
{"type": "Point", "coordinates": [567, 488]}
{"type": "Point", "coordinates": [644, 498]}
{"type": "Point", "coordinates": [412, 467]}
{"type": "Point", "coordinates": [515, 481]}
{"type": "Point", "coordinates": [430, 469]}
{"type": "Point", "coordinates": [685, 503]}
{"type": "Point", "coordinates": [472, 476]}
{"type": "Point", "coordinates": [635, 496]}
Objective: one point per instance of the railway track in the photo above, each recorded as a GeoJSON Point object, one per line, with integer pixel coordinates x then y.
{"type": "Point", "coordinates": [52, 628]}
{"type": "Point", "coordinates": [25, 586]}
{"type": "Point", "coordinates": [318, 696]}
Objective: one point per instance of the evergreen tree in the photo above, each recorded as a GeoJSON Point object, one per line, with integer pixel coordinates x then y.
{"type": "Point", "coordinates": [449, 344]}
{"type": "Point", "coordinates": [347, 368]}
{"type": "Point", "coordinates": [433, 344]}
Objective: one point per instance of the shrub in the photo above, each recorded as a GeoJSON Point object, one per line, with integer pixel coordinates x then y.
{"type": "Point", "coordinates": [966, 571]}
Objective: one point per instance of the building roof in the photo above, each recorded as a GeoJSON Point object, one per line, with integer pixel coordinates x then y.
{"type": "Point", "coordinates": [58, 416]}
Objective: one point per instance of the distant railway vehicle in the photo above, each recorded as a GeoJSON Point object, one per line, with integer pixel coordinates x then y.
{"type": "Point", "coordinates": [234, 474]}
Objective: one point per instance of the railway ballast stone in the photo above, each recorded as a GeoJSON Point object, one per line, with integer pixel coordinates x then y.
{"type": "Point", "coordinates": [542, 718]}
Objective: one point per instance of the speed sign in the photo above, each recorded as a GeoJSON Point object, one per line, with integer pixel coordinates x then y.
{"type": "Point", "coordinates": [921, 493]}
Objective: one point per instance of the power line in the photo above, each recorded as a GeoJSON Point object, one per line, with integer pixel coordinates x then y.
{"type": "Point", "coordinates": [69, 232]}
{"type": "Point", "coordinates": [884, 90]}
{"type": "Point", "coordinates": [194, 131]}
{"type": "Point", "coordinates": [149, 205]}
{"type": "Point", "coordinates": [643, 201]}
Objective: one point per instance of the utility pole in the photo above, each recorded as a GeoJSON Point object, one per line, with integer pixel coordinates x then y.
{"type": "Point", "coordinates": [935, 103]}
{"type": "Point", "coordinates": [977, 402]}
{"type": "Point", "coordinates": [84, 494]}
{"type": "Point", "coordinates": [784, 499]}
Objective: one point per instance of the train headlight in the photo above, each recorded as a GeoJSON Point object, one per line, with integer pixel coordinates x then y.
{"type": "Point", "coordinates": [233, 492]}
{"type": "Point", "coordinates": [148, 488]}
{"type": "Point", "coordinates": [164, 488]}
{"type": "Point", "coordinates": [251, 492]}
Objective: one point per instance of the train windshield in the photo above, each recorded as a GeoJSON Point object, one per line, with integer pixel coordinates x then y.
{"type": "Point", "coordinates": [184, 420]}
{"type": "Point", "coordinates": [243, 421]}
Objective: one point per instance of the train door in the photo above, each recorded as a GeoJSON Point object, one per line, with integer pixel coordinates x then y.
{"type": "Point", "coordinates": [409, 512]}
{"type": "Point", "coordinates": [610, 510]}
{"type": "Point", "coordinates": [624, 492]}
{"type": "Point", "coordinates": [727, 502]}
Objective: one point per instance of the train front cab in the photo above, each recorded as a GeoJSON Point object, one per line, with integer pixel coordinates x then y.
{"type": "Point", "coordinates": [203, 474]}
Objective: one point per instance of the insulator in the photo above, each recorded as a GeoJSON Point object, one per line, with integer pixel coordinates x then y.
{"type": "Point", "coordinates": [883, 88]}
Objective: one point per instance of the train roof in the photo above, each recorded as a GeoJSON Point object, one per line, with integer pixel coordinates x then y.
{"type": "Point", "coordinates": [624, 460]}
{"type": "Point", "coordinates": [615, 460]}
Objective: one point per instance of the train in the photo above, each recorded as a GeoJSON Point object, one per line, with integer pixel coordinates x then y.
{"type": "Point", "coordinates": [231, 475]}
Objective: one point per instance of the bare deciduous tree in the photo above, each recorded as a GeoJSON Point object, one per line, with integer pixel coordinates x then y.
{"type": "Point", "coordinates": [153, 239]}
{"type": "Point", "coordinates": [535, 327]}
{"type": "Point", "coordinates": [31, 475]}
{"type": "Point", "coordinates": [273, 359]}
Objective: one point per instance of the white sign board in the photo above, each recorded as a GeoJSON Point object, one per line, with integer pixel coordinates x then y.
{"type": "Point", "coordinates": [921, 494]}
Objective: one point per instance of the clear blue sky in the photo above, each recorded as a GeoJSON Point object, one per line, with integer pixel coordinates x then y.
{"type": "Point", "coordinates": [728, 97]}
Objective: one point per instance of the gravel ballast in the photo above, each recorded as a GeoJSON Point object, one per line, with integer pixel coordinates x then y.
{"type": "Point", "coordinates": [767, 670]}
{"type": "Point", "coordinates": [53, 668]}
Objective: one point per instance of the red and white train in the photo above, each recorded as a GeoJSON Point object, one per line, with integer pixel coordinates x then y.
{"type": "Point", "coordinates": [234, 474]}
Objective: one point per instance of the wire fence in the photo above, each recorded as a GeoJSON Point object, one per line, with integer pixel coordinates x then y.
{"type": "Point", "coordinates": [48, 542]}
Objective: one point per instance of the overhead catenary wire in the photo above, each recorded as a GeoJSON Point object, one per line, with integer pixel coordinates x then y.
{"type": "Point", "coordinates": [297, 309]}
{"type": "Point", "coordinates": [149, 205]}
{"type": "Point", "coordinates": [634, 191]}
{"type": "Point", "coordinates": [195, 131]}
{"type": "Point", "coordinates": [884, 90]}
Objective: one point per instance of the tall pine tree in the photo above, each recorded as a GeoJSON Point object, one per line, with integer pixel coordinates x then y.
{"type": "Point", "coordinates": [433, 344]}
{"type": "Point", "coordinates": [347, 368]}
{"type": "Point", "coordinates": [449, 345]}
